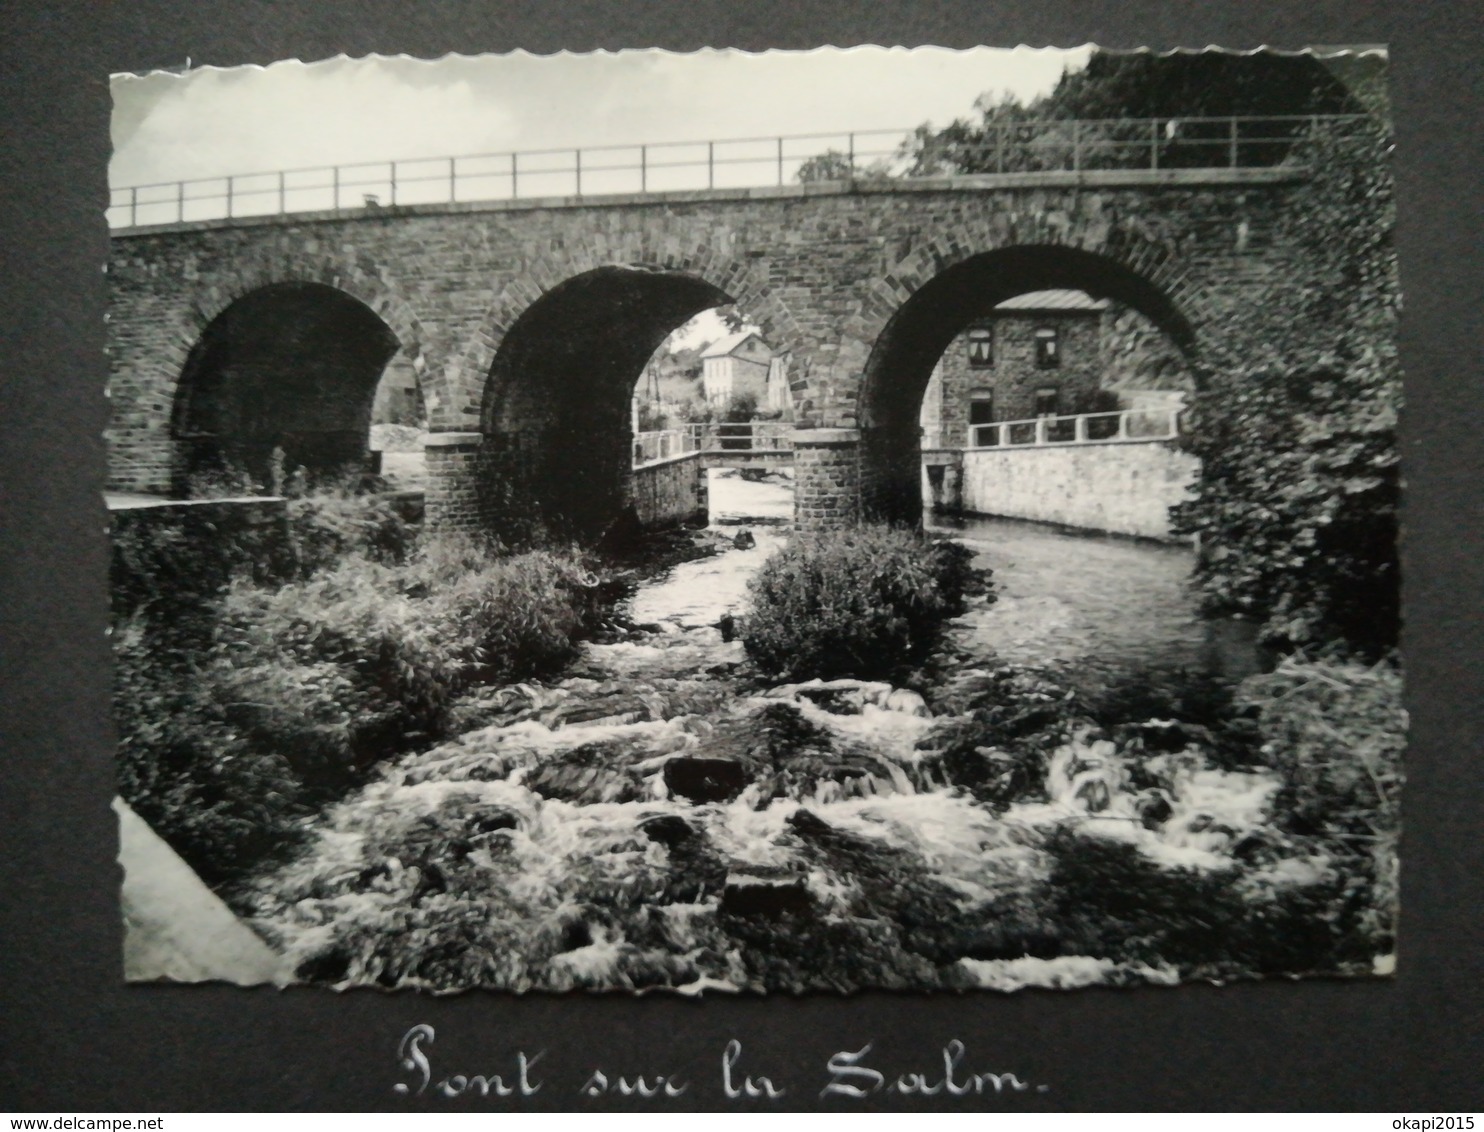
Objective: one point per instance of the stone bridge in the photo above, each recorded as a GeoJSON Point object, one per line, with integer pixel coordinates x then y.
{"type": "Point", "coordinates": [528, 321]}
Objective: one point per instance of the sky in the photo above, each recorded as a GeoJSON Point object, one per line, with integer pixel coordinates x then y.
{"type": "Point", "coordinates": [214, 121]}
{"type": "Point", "coordinates": [210, 122]}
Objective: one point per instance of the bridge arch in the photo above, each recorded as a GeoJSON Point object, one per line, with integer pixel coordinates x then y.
{"type": "Point", "coordinates": [922, 327]}
{"type": "Point", "coordinates": [555, 409]}
{"type": "Point", "coordinates": [289, 367]}
{"type": "Point", "coordinates": [460, 392]}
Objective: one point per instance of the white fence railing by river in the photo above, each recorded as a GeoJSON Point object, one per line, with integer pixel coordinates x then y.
{"type": "Point", "coordinates": [1131, 425]}
{"type": "Point", "coordinates": [717, 437]}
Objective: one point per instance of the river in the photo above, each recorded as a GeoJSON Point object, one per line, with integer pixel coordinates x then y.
{"type": "Point", "coordinates": [656, 818]}
{"type": "Point", "coordinates": [1099, 603]}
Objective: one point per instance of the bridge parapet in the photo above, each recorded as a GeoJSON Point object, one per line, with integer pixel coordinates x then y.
{"type": "Point", "coordinates": [1051, 148]}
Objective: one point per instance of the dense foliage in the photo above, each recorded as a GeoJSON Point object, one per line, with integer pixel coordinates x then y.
{"type": "Point", "coordinates": [868, 601]}
{"type": "Point", "coordinates": [1314, 890]}
{"type": "Point", "coordinates": [1295, 510]}
{"type": "Point", "coordinates": [1336, 734]}
{"type": "Point", "coordinates": [281, 693]}
{"type": "Point", "coordinates": [1123, 93]}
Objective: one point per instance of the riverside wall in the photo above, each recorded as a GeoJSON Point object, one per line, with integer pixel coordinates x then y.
{"type": "Point", "coordinates": [1119, 488]}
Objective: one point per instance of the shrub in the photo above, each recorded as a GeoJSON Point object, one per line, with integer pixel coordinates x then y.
{"type": "Point", "coordinates": [173, 565]}
{"type": "Point", "coordinates": [292, 691]}
{"type": "Point", "coordinates": [1336, 731]}
{"type": "Point", "coordinates": [410, 638]}
{"type": "Point", "coordinates": [223, 804]}
{"type": "Point", "coordinates": [1296, 505]}
{"type": "Point", "coordinates": [866, 602]}
{"type": "Point", "coordinates": [338, 518]}
{"type": "Point", "coordinates": [521, 616]}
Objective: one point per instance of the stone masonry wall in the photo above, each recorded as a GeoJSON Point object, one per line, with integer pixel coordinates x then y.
{"type": "Point", "coordinates": [827, 479]}
{"type": "Point", "coordinates": [822, 269]}
{"type": "Point", "coordinates": [671, 492]}
{"type": "Point", "coordinates": [1123, 488]}
{"type": "Point", "coordinates": [455, 471]}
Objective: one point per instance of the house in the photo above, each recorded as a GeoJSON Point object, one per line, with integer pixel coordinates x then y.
{"type": "Point", "coordinates": [736, 366]}
{"type": "Point", "coordinates": [1036, 355]}
{"type": "Point", "coordinates": [399, 399]}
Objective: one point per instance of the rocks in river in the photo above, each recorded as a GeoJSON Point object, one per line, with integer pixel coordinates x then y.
{"type": "Point", "coordinates": [591, 773]}
{"type": "Point", "coordinates": [906, 701]}
{"type": "Point", "coordinates": [604, 705]}
{"type": "Point", "coordinates": [669, 830]}
{"type": "Point", "coordinates": [1153, 807]}
{"type": "Point", "coordinates": [744, 540]}
{"type": "Point", "coordinates": [701, 779]}
{"type": "Point", "coordinates": [785, 754]}
{"type": "Point", "coordinates": [853, 697]}
{"type": "Point", "coordinates": [1094, 795]}
{"type": "Point", "coordinates": [841, 697]}
{"type": "Point", "coordinates": [770, 896]}
{"type": "Point", "coordinates": [696, 871]}
{"type": "Point", "coordinates": [1167, 736]}
{"type": "Point", "coordinates": [809, 824]}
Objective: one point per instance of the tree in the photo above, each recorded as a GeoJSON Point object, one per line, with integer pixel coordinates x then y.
{"type": "Point", "coordinates": [1128, 105]}
{"type": "Point", "coordinates": [831, 165]}
{"type": "Point", "coordinates": [733, 320]}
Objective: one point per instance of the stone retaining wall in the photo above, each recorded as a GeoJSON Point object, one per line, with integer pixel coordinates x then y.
{"type": "Point", "coordinates": [671, 492]}
{"type": "Point", "coordinates": [1124, 489]}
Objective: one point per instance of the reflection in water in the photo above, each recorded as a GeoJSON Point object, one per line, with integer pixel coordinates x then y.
{"type": "Point", "coordinates": [1105, 603]}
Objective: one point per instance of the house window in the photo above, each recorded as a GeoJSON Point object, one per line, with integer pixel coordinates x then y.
{"type": "Point", "coordinates": [1048, 348]}
{"type": "Point", "coordinates": [1048, 401]}
{"type": "Point", "coordinates": [981, 347]}
{"type": "Point", "coordinates": [981, 407]}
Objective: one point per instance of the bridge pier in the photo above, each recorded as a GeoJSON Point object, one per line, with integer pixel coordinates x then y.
{"type": "Point", "coordinates": [827, 478]}
{"type": "Point", "coordinates": [456, 465]}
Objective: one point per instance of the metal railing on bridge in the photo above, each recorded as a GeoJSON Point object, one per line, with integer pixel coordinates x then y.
{"type": "Point", "coordinates": [1050, 145]}
{"type": "Point", "coordinates": [1081, 428]}
{"type": "Point", "coordinates": [716, 437]}
{"type": "Point", "coordinates": [663, 444]}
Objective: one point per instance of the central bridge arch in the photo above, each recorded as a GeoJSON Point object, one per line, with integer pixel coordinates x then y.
{"type": "Point", "coordinates": [555, 414]}
{"type": "Point", "coordinates": [916, 335]}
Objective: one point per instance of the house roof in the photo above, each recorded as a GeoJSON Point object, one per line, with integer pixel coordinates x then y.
{"type": "Point", "coordinates": [730, 344]}
{"type": "Point", "coordinates": [1053, 301]}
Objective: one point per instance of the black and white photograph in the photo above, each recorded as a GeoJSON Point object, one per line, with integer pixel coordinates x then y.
{"type": "Point", "coordinates": [726, 523]}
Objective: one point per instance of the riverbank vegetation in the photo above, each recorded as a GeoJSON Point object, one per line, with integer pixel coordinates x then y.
{"type": "Point", "coordinates": [868, 602]}
{"type": "Point", "coordinates": [663, 821]}
{"type": "Point", "coordinates": [255, 683]}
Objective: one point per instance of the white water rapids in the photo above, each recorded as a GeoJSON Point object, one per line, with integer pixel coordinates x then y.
{"type": "Point", "coordinates": [624, 827]}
